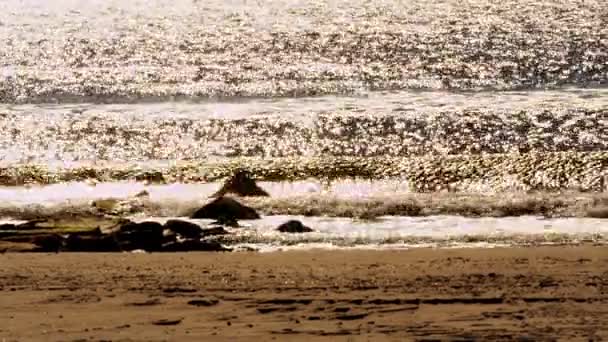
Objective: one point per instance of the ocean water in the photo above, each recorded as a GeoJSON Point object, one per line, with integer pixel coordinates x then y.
{"type": "Point", "coordinates": [393, 124]}
{"type": "Point", "coordinates": [350, 113]}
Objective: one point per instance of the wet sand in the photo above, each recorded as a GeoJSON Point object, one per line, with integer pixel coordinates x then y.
{"type": "Point", "coordinates": [544, 293]}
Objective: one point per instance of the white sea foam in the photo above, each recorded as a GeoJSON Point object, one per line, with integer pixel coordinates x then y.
{"type": "Point", "coordinates": [82, 191]}
{"type": "Point", "coordinates": [394, 232]}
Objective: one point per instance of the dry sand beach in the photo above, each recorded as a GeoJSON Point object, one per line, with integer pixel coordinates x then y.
{"type": "Point", "coordinates": [427, 170]}
{"type": "Point", "coordinates": [523, 294]}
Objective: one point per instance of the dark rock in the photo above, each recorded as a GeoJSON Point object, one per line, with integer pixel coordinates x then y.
{"type": "Point", "coordinates": [242, 184]}
{"type": "Point", "coordinates": [7, 226]}
{"type": "Point", "coordinates": [228, 222]}
{"type": "Point", "coordinates": [194, 245]}
{"type": "Point", "coordinates": [226, 208]}
{"type": "Point", "coordinates": [48, 243]}
{"type": "Point", "coordinates": [214, 231]}
{"type": "Point", "coordinates": [184, 228]}
{"type": "Point", "coordinates": [145, 235]}
{"type": "Point", "coordinates": [84, 243]}
{"type": "Point", "coordinates": [7, 234]}
{"type": "Point", "coordinates": [294, 226]}
{"type": "Point", "coordinates": [146, 225]}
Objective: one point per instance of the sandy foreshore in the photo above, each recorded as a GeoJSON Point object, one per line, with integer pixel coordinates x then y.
{"type": "Point", "coordinates": [538, 294]}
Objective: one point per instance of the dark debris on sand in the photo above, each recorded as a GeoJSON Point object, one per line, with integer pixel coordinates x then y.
{"type": "Point", "coordinates": [150, 236]}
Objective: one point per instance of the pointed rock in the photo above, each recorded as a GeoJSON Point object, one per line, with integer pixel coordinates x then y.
{"type": "Point", "coordinates": [225, 208]}
{"type": "Point", "coordinates": [294, 226]}
{"type": "Point", "coordinates": [241, 184]}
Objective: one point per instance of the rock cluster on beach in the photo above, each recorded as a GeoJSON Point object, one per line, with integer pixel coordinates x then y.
{"type": "Point", "coordinates": [82, 234]}
{"type": "Point", "coordinates": [76, 235]}
{"type": "Point", "coordinates": [114, 234]}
